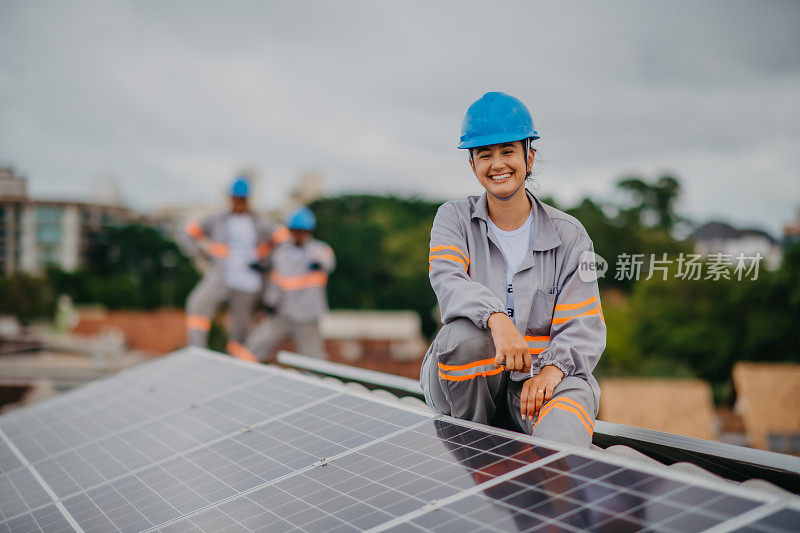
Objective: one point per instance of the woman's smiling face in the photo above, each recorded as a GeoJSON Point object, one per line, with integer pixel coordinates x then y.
{"type": "Point", "coordinates": [501, 168]}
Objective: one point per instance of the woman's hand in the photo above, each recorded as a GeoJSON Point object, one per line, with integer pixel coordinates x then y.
{"type": "Point", "coordinates": [509, 344]}
{"type": "Point", "coordinates": [538, 390]}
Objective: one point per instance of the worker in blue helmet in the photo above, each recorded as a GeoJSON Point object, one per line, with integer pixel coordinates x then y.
{"type": "Point", "coordinates": [523, 325]}
{"type": "Point", "coordinates": [296, 292]}
{"type": "Point", "coordinates": [235, 246]}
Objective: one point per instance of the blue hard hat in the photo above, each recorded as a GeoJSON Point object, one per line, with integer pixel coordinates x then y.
{"type": "Point", "coordinates": [240, 188]}
{"type": "Point", "coordinates": [301, 218]}
{"type": "Point", "coordinates": [496, 118]}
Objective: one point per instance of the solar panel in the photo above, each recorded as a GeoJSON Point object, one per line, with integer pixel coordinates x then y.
{"type": "Point", "coordinates": [200, 442]}
{"type": "Point", "coordinates": [574, 492]}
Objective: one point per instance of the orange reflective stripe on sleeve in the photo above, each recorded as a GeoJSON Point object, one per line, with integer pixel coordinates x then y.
{"type": "Point", "coordinates": [263, 249]}
{"type": "Point", "coordinates": [198, 322]}
{"type": "Point", "coordinates": [281, 234]}
{"type": "Point", "coordinates": [194, 230]}
{"type": "Point", "coordinates": [239, 351]}
{"type": "Point", "coordinates": [296, 283]}
{"type": "Point", "coordinates": [567, 307]}
{"type": "Point", "coordinates": [540, 343]}
{"type": "Point", "coordinates": [455, 249]}
{"type": "Point", "coordinates": [217, 249]}
{"type": "Point", "coordinates": [595, 311]}
{"type": "Point", "coordinates": [451, 258]}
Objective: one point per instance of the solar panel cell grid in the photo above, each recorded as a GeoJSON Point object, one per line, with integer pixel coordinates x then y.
{"type": "Point", "coordinates": [577, 492]}
{"type": "Point", "coordinates": [385, 480]}
{"type": "Point", "coordinates": [20, 493]}
{"type": "Point", "coordinates": [8, 460]}
{"type": "Point", "coordinates": [48, 519]}
{"type": "Point", "coordinates": [777, 522]}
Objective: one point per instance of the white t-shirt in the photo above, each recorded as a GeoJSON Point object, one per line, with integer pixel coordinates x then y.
{"type": "Point", "coordinates": [514, 244]}
{"type": "Point", "coordinates": [242, 242]}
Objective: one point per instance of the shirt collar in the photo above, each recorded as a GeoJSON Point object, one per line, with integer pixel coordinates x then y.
{"type": "Point", "coordinates": [544, 235]}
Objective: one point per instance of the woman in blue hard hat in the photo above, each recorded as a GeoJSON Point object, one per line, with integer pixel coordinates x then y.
{"type": "Point", "coordinates": [296, 291]}
{"type": "Point", "coordinates": [523, 326]}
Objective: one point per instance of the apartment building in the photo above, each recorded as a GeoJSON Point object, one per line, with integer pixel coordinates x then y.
{"type": "Point", "coordinates": [37, 233]}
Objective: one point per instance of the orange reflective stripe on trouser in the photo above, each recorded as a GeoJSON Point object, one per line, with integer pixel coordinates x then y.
{"type": "Point", "coordinates": [240, 352]}
{"type": "Point", "coordinates": [296, 283]}
{"type": "Point", "coordinates": [570, 406]}
{"type": "Point", "coordinates": [198, 322]}
{"type": "Point", "coordinates": [217, 249]}
{"type": "Point", "coordinates": [484, 367]}
{"type": "Point", "coordinates": [194, 230]}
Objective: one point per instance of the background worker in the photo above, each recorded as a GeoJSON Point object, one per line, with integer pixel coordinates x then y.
{"type": "Point", "coordinates": [296, 291]}
{"type": "Point", "coordinates": [523, 328]}
{"type": "Point", "coordinates": [237, 245]}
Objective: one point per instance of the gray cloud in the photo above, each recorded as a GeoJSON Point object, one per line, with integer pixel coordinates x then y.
{"type": "Point", "coordinates": [172, 98]}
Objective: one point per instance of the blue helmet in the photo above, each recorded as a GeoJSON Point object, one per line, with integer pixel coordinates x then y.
{"type": "Point", "coordinates": [240, 188]}
{"type": "Point", "coordinates": [496, 118]}
{"type": "Point", "coordinates": [301, 218]}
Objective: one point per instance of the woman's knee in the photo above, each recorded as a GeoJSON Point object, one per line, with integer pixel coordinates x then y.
{"type": "Point", "coordinates": [464, 338]}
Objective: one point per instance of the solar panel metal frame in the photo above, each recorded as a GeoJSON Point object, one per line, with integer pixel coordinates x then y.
{"type": "Point", "coordinates": [769, 503]}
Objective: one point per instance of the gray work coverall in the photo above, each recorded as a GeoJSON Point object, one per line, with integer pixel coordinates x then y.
{"type": "Point", "coordinates": [296, 290]}
{"type": "Point", "coordinates": [557, 312]}
{"type": "Point", "coordinates": [209, 238]}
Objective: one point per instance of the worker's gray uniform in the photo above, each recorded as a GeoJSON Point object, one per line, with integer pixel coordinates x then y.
{"type": "Point", "coordinates": [296, 290]}
{"type": "Point", "coordinates": [209, 239]}
{"type": "Point", "coordinates": [555, 309]}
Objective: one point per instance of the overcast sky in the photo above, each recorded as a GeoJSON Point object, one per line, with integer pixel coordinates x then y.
{"type": "Point", "coordinates": [171, 98]}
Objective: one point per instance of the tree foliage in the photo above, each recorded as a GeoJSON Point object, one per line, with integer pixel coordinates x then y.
{"type": "Point", "coordinates": [381, 245]}
{"type": "Point", "coordinates": [130, 267]}
{"type": "Point", "coordinates": [26, 297]}
{"type": "Point", "coordinates": [709, 325]}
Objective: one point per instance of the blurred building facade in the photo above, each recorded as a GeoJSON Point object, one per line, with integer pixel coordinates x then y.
{"type": "Point", "coordinates": [718, 237]}
{"type": "Point", "coordinates": [36, 233]}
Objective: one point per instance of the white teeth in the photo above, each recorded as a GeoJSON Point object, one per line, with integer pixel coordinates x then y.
{"type": "Point", "coordinates": [500, 177]}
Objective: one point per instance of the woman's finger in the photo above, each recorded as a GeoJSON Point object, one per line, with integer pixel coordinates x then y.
{"type": "Point", "coordinates": [499, 360]}
{"type": "Point", "coordinates": [539, 400]}
{"type": "Point", "coordinates": [523, 400]}
{"type": "Point", "coordinates": [548, 392]}
{"type": "Point", "coordinates": [526, 362]}
{"type": "Point", "coordinates": [510, 362]}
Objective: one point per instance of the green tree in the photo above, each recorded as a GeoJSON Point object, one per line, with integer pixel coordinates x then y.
{"type": "Point", "coordinates": [26, 297]}
{"type": "Point", "coordinates": [130, 267]}
{"type": "Point", "coordinates": [653, 203]}
{"type": "Point", "coordinates": [381, 245]}
{"type": "Point", "coordinates": [707, 325]}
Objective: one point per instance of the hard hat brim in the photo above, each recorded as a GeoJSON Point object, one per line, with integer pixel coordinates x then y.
{"type": "Point", "coordinates": [496, 138]}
